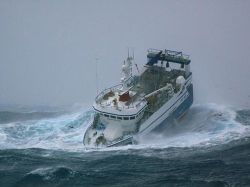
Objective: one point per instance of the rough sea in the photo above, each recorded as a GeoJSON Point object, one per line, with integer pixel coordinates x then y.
{"type": "Point", "coordinates": [209, 146]}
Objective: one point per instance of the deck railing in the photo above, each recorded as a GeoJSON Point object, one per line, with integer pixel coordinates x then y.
{"type": "Point", "coordinates": [107, 90]}
{"type": "Point", "coordinates": [99, 99]}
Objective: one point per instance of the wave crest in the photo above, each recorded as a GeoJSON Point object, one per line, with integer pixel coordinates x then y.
{"type": "Point", "coordinates": [203, 125]}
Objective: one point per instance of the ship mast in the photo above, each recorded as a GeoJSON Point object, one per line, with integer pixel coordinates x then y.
{"type": "Point", "coordinates": [127, 72]}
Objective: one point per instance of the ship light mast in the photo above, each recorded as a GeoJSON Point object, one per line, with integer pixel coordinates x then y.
{"type": "Point", "coordinates": [127, 73]}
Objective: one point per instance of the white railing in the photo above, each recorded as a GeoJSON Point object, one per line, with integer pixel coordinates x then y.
{"type": "Point", "coordinates": [99, 99]}
{"type": "Point", "coordinates": [100, 95]}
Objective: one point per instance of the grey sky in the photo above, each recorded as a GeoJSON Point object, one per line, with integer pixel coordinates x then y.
{"type": "Point", "coordinates": [48, 48]}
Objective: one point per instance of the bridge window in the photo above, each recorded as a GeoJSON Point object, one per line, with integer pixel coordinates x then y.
{"type": "Point", "coordinates": [113, 117]}
{"type": "Point", "coordinates": [118, 117]}
{"type": "Point", "coordinates": [133, 117]}
{"type": "Point", "coordinates": [126, 118]}
{"type": "Point", "coordinates": [106, 115]}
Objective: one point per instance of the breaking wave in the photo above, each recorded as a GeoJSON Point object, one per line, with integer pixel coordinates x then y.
{"type": "Point", "coordinates": [203, 125]}
{"type": "Point", "coordinates": [62, 132]}
{"type": "Point", "coordinates": [209, 146]}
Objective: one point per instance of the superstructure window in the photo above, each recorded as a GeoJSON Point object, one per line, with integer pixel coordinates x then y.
{"type": "Point", "coordinates": [106, 115]}
{"type": "Point", "coordinates": [133, 117]}
{"type": "Point", "coordinates": [126, 118]}
{"type": "Point", "coordinates": [113, 117]}
{"type": "Point", "coordinates": [119, 117]}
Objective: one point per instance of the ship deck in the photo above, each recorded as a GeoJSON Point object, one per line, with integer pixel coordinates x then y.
{"type": "Point", "coordinates": [153, 78]}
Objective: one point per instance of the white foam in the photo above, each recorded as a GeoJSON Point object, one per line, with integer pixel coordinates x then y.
{"type": "Point", "coordinates": [204, 125]}
{"type": "Point", "coordinates": [2, 137]}
{"type": "Point", "coordinates": [64, 132]}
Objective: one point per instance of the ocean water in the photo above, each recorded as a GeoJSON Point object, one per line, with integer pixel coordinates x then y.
{"type": "Point", "coordinates": [209, 146]}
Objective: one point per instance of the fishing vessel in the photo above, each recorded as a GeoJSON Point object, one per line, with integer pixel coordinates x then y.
{"type": "Point", "coordinates": [142, 102]}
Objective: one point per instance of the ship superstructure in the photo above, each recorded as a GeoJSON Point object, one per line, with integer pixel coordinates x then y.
{"type": "Point", "coordinates": [142, 102]}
